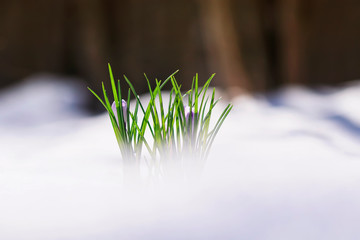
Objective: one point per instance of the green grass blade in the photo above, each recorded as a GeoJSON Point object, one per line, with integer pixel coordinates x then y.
{"type": "Point", "coordinates": [219, 123]}
{"type": "Point", "coordinates": [102, 102]}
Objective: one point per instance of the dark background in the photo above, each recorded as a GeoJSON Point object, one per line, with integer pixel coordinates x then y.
{"type": "Point", "coordinates": [252, 45]}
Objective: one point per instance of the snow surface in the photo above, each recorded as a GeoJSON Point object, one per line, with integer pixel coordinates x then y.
{"type": "Point", "coordinates": [284, 166]}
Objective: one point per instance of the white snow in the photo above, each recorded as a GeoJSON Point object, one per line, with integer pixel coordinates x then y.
{"type": "Point", "coordinates": [285, 166]}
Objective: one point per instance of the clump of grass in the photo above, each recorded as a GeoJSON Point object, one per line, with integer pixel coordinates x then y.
{"type": "Point", "coordinates": [179, 129]}
{"type": "Point", "coordinates": [129, 135]}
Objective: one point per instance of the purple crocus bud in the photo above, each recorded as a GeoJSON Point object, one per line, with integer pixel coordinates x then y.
{"type": "Point", "coordinates": [189, 114]}
{"type": "Point", "coordinates": [124, 109]}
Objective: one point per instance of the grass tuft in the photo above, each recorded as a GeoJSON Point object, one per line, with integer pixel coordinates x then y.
{"type": "Point", "coordinates": [179, 129]}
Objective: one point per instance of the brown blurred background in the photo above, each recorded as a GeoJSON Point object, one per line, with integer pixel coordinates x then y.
{"type": "Point", "coordinates": [254, 45]}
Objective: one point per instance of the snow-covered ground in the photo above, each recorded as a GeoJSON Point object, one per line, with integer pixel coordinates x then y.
{"type": "Point", "coordinates": [285, 166]}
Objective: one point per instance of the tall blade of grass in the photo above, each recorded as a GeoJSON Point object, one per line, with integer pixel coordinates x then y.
{"type": "Point", "coordinates": [113, 86]}
{"type": "Point", "coordinates": [207, 120]}
{"type": "Point", "coordinates": [134, 121]}
{"type": "Point", "coordinates": [179, 97]}
{"type": "Point", "coordinates": [119, 135]}
{"type": "Point", "coordinates": [206, 85]}
{"type": "Point", "coordinates": [116, 99]}
{"type": "Point", "coordinates": [113, 121]}
{"type": "Point", "coordinates": [122, 132]}
{"type": "Point", "coordinates": [155, 116]}
{"type": "Point", "coordinates": [142, 137]}
{"type": "Point", "coordinates": [145, 122]}
{"type": "Point", "coordinates": [134, 92]}
{"type": "Point", "coordinates": [202, 109]}
{"type": "Point", "coordinates": [170, 114]}
{"type": "Point", "coordinates": [196, 93]}
{"type": "Point", "coordinates": [162, 115]}
{"type": "Point", "coordinates": [153, 111]}
{"type": "Point", "coordinates": [178, 129]}
{"type": "Point", "coordinates": [170, 131]}
{"type": "Point", "coordinates": [191, 93]}
{"type": "Point", "coordinates": [141, 106]}
{"type": "Point", "coordinates": [149, 86]}
{"type": "Point", "coordinates": [168, 78]}
{"type": "Point", "coordinates": [202, 121]}
{"type": "Point", "coordinates": [196, 105]}
{"type": "Point", "coordinates": [208, 115]}
{"type": "Point", "coordinates": [204, 89]}
{"type": "Point", "coordinates": [98, 98]}
{"type": "Point", "coordinates": [128, 113]}
{"type": "Point", "coordinates": [119, 110]}
{"type": "Point", "coordinates": [217, 127]}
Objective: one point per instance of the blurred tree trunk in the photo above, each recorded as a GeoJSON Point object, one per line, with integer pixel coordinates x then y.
{"type": "Point", "coordinates": [331, 39]}
{"type": "Point", "coordinates": [91, 40]}
{"type": "Point", "coordinates": [291, 39]}
{"type": "Point", "coordinates": [221, 40]}
{"type": "Point", "coordinates": [31, 39]}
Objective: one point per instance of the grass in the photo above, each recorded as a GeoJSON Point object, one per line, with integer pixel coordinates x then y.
{"type": "Point", "coordinates": [179, 129]}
